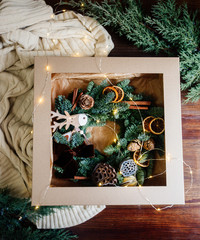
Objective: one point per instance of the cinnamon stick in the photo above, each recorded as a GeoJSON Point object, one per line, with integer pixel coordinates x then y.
{"type": "Point", "coordinates": [138, 102]}
{"type": "Point", "coordinates": [138, 107]}
{"type": "Point", "coordinates": [80, 178]}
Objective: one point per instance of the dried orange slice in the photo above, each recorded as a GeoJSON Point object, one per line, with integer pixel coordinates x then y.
{"type": "Point", "coordinates": [146, 123]}
{"type": "Point", "coordinates": [109, 89]}
{"type": "Point", "coordinates": [157, 126]}
{"type": "Point", "coordinates": [120, 92]}
{"type": "Point", "coordinates": [137, 158]}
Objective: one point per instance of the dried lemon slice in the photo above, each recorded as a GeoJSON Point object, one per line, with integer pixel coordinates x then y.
{"type": "Point", "coordinates": [157, 126]}
{"type": "Point", "coordinates": [109, 89]}
{"type": "Point", "coordinates": [120, 92]}
{"type": "Point", "coordinates": [137, 158]}
{"type": "Point", "coordinates": [146, 123]}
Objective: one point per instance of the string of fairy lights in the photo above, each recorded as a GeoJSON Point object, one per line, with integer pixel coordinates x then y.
{"type": "Point", "coordinates": [168, 156]}
{"type": "Point", "coordinates": [41, 99]}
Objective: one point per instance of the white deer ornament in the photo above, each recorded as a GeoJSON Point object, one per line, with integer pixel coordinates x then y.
{"type": "Point", "coordinates": [75, 120]}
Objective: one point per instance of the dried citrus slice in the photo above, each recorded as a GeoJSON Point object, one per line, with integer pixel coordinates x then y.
{"type": "Point", "coordinates": [137, 158]}
{"type": "Point", "coordinates": [157, 126]}
{"type": "Point", "coordinates": [146, 123]}
{"type": "Point", "coordinates": [120, 92]}
{"type": "Point", "coordinates": [109, 89]}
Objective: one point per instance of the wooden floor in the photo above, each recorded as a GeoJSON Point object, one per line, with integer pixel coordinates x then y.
{"type": "Point", "coordinates": [180, 222]}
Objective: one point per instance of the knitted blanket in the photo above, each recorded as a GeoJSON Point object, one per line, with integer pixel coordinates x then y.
{"type": "Point", "coordinates": [28, 28]}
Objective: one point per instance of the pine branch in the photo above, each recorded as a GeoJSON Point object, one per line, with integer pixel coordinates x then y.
{"type": "Point", "coordinates": [169, 29]}
{"type": "Point", "coordinates": [17, 216]}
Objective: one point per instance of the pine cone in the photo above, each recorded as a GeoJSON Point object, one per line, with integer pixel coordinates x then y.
{"type": "Point", "coordinates": [134, 145]}
{"type": "Point", "coordinates": [149, 144]}
{"type": "Point", "coordinates": [86, 102]}
{"type": "Point", "coordinates": [104, 174]}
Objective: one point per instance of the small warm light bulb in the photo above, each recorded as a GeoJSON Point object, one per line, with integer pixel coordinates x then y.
{"type": "Point", "coordinates": [120, 172]}
{"type": "Point", "coordinates": [140, 186]}
{"type": "Point", "coordinates": [100, 184]}
{"type": "Point", "coordinates": [64, 10]}
{"type": "Point", "coordinates": [82, 4]}
{"type": "Point", "coordinates": [115, 140]}
{"type": "Point", "coordinates": [52, 16]}
{"type": "Point", "coordinates": [85, 38]}
{"type": "Point", "coordinates": [40, 100]}
{"type": "Point", "coordinates": [168, 157]}
{"type": "Point", "coordinates": [130, 99]}
{"type": "Point", "coordinates": [190, 171]}
{"type": "Point", "coordinates": [37, 207]}
{"type": "Point", "coordinates": [76, 54]}
{"type": "Point", "coordinates": [150, 176]}
{"type": "Point", "coordinates": [47, 68]}
{"type": "Point", "coordinates": [115, 111]}
{"type": "Point", "coordinates": [31, 131]}
{"type": "Point", "coordinates": [158, 209]}
{"type": "Point", "coordinates": [20, 218]}
{"type": "Point", "coordinates": [98, 121]}
{"type": "Point", "coordinates": [118, 144]}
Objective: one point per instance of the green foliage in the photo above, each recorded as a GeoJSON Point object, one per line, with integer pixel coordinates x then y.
{"type": "Point", "coordinates": [59, 138]}
{"type": "Point", "coordinates": [87, 165]}
{"type": "Point", "coordinates": [168, 29]}
{"type": "Point", "coordinates": [132, 132]}
{"type": "Point", "coordinates": [140, 175]}
{"type": "Point", "coordinates": [58, 169]}
{"type": "Point", "coordinates": [16, 220]}
{"type": "Point", "coordinates": [156, 112]}
{"type": "Point", "coordinates": [76, 140]}
{"type": "Point", "coordinates": [123, 142]}
{"type": "Point", "coordinates": [120, 178]}
{"type": "Point", "coordinates": [144, 137]}
{"type": "Point", "coordinates": [90, 87]}
{"type": "Point", "coordinates": [149, 170]}
{"type": "Point", "coordinates": [62, 104]}
{"type": "Point", "coordinates": [129, 121]}
{"type": "Point", "coordinates": [110, 150]}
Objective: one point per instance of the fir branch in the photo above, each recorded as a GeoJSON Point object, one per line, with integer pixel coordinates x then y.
{"type": "Point", "coordinates": [58, 169]}
{"type": "Point", "coordinates": [169, 29]}
{"type": "Point", "coordinates": [110, 150]}
{"type": "Point", "coordinates": [193, 94]}
{"type": "Point", "coordinates": [17, 216]}
{"type": "Point", "coordinates": [59, 138]}
{"type": "Point", "coordinates": [156, 112]}
{"type": "Point", "coordinates": [77, 140]}
{"type": "Point", "coordinates": [62, 104]}
{"type": "Point", "coordinates": [87, 165]}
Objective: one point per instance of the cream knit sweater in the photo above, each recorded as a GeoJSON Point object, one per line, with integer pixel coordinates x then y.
{"type": "Point", "coordinates": [27, 29]}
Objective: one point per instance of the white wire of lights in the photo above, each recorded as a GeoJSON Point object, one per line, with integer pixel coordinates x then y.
{"type": "Point", "coordinates": [115, 111]}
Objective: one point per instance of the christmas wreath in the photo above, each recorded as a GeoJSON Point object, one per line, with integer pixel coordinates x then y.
{"type": "Point", "coordinates": [128, 161]}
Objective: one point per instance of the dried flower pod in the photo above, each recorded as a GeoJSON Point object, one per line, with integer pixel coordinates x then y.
{"type": "Point", "coordinates": [128, 168]}
{"type": "Point", "coordinates": [104, 174]}
{"type": "Point", "coordinates": [86, 102]}
{"type": "Point", "coordinates": [134, 145]}
{"type": "Point", "coordinates": [149, 144]}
